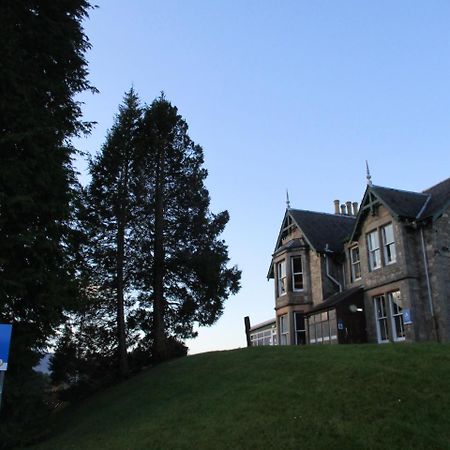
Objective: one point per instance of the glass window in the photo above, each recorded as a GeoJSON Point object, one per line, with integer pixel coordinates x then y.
{"type": "Point", "coordinates": [300, 330]}
{"type": "Point", "coordinates": [373, 247]}
{"type": "Point", "coordinates": [311, 331]}
{"type": "Point", "coordinates": [387, 233]}
{"type": "Point", "coordinates": [284, 330]}
{"type": "Point", "coordinates": [297, 273]}
{"type": "Point", "coordinates": [381, 318]}
{"type": "Point", "coordinates": [281, 281]}
{"type": "Point", "coordinates": [396, 305]}
{"type": "Point", "coordinates": [355, 263]}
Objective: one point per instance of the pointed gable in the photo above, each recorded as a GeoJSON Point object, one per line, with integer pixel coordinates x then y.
{"type": "Point", "coordinates": [318, 230]}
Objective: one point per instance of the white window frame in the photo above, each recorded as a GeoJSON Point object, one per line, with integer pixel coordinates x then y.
{"type": "Point", "coordinates": [384, 319]}
{"type": "Point", "coordinates": [354, 263]}
{"type": "Point", "coordinates": [388, 245]}
{"type": "Point", "coordinates": [284, 329]}
{"type": "Point", "coordinates": [395, 336]}
{"type": "Point", "coordinates": [373, 248]}
{"type": "Point", "coordinates": [297, 273]}
{"type": "Point", "coordinates": [261, 338]}
{"type": "Point", "coordinates": [281, 278]}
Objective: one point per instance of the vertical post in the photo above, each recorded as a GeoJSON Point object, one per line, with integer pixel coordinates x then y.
{"type": "Point", "coordinates": [247, 330]}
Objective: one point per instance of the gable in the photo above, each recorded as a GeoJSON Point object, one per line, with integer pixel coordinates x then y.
{"type": "Point", "coordinates": [400, 204]}
{"type": "Point", "coordinates": [319, 231]}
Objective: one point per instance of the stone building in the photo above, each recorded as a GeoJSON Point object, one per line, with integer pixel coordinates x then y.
{"type": "Point", "coordinates": [380, 273]}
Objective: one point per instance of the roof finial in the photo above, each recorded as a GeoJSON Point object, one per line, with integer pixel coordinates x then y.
{"type": "Point", "coordinates": [288, 203]}
{"type": "Point", "coordinates": [368, 176]}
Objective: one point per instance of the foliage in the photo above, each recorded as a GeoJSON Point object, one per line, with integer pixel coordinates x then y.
{"type": "Point", "coordinates": [42, 50]}
{"type": "Point", "coordinates": [184, 274]}
{"type": "Point", "coordinates": [113, 200]}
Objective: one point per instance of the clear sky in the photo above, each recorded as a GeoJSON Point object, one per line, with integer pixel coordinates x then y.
{"type": "Point", "coordinates": [282, 95]}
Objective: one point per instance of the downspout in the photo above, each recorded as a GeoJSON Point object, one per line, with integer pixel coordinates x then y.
{"type": "Point", "coordinates": [327, 267]}
{"type": "Point", "coordinates": [427, 277]}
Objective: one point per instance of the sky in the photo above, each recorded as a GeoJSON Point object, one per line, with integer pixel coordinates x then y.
{"type": "Point", "coordinates": [281, 95]}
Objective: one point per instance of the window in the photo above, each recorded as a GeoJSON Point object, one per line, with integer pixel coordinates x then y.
{"type": "Point", "coordinates": [322, 327]}
{"type": "Point", "coordinates": [300, 331]}
{"type": "Point", "coordinates": [261, 338]}
{"type": "Point", "coordinates": [311, 330]}
{"type": "Point", "coordinates": [381, 318]}
{"type": "Point", "coordinates": [297, 273]}
{"type": "Point", "coordinates": [396, 306]}
{"type": "Point", "coordinates": [387, 234]}
{"type": "Point", "coordinates": [355, 263]}
{"type": "Point", "coordinates": [373, 246]}
{"type": "Point", "coordinates": [284, 330]}
{"type": "Point", "coordinates": [281, 273]}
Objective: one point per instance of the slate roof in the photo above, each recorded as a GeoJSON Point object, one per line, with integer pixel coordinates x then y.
{"type": "Point", "coordinates": [294, 243]}
{"type": "Point", "coordinates": [439, 197]}
{"type": "Point", "coordinates": [321, 229]}
{"type": "Point", "coordinates": [402, 203]}
{"type": "Point", "coordinates": [415, 205]}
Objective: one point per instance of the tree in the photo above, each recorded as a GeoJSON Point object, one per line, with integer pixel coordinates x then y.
{"type": "Point", "coordinates": [113, 198]}
{"type": "Point", "coordinates": [184, 271]}
{"type": "Point", "coordinates": [42, 49]}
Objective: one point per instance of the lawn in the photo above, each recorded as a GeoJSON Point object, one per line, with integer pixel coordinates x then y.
{"type": "Point", "coordinates": [310, 397]}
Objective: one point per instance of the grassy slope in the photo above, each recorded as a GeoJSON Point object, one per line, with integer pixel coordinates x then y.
{"type": "Point", "coordinates": [384, 397]}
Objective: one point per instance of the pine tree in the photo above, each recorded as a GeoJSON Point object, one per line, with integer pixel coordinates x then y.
{"type": "Point", "coordinates": [184, 270]}
{"type": "Point", "coordinates": [113, 197]}
{"type": "Point", "coordinates": [43, 66]}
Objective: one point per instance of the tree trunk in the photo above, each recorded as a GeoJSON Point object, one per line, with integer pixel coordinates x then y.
{"type": "Point", "coordinates": [159, 334]}
{"type": "Point", "coordinates": [121, 336]}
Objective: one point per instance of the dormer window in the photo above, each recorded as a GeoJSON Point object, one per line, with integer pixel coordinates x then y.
{"type": "Point", "coordinates": [355, 262]}
{"type": "Point", "coordinates": [281, 278]}
{"type": "Point", "coordinates": [297, 273]}
{"type": "Point", "coordinates": [373, 246]}
{"type": "Point", "coordinates": [387, 234]}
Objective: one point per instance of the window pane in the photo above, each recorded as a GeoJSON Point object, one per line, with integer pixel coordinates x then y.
{"type": "Point", "coordinates": [297, 265]}
{"type": "Point", "coordinates": [298, 282]}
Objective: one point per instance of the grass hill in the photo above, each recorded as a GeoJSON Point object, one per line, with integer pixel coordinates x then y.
{"type": "Point", "coordinates": [312, 397]}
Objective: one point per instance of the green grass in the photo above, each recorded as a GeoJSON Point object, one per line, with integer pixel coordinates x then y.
{"type": "Point", "coordinates": [313, 397]}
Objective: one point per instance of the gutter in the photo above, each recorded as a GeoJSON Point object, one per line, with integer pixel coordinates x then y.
{"type": "Point", "coordinates": [427, 277]}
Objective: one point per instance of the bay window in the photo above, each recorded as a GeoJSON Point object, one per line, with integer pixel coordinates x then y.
{"type": "Point", "coordinates": [281, 278]}
{"type": "Point", "coordinates": [284, 330]}
{"type": "Point", "coordinates": [297, 273]}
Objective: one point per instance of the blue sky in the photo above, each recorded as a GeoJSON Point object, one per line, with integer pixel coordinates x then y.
{"type": "Point", "coordinates": [282, 95]}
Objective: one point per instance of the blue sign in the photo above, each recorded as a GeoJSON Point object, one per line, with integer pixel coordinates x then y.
{"type": "Point", "coordinates": [340, 325]}
{"type": "Point", "coordinates": [407, 319]}
{"type": "Point", "coordinates": [5, 339]}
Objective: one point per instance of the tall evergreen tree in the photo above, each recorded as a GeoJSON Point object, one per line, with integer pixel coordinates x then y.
{"type": "Point", "coordinates": [43, 66]}
{"type": "Point", "coordinates": [184, 270]}
{"type": "Point", "coordinates": [113, 198]}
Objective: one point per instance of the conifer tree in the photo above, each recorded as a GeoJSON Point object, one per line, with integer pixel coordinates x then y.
{"type": "Point", "coordinates": [43, 66]}
{"type": "Point", "coordinates": [184, 269]}
{"type": "Point", "coordinates": [113, 198]}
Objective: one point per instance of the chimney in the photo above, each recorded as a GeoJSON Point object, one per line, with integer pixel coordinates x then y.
{"type": "Point", "coordinates": [349, 208]}
{"type": "Point", "coordinates": [343, 209]}
{"type": "Point", "coordinates": [355, 208]}
{"type": "Point", "coordinates": [336, 206]}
